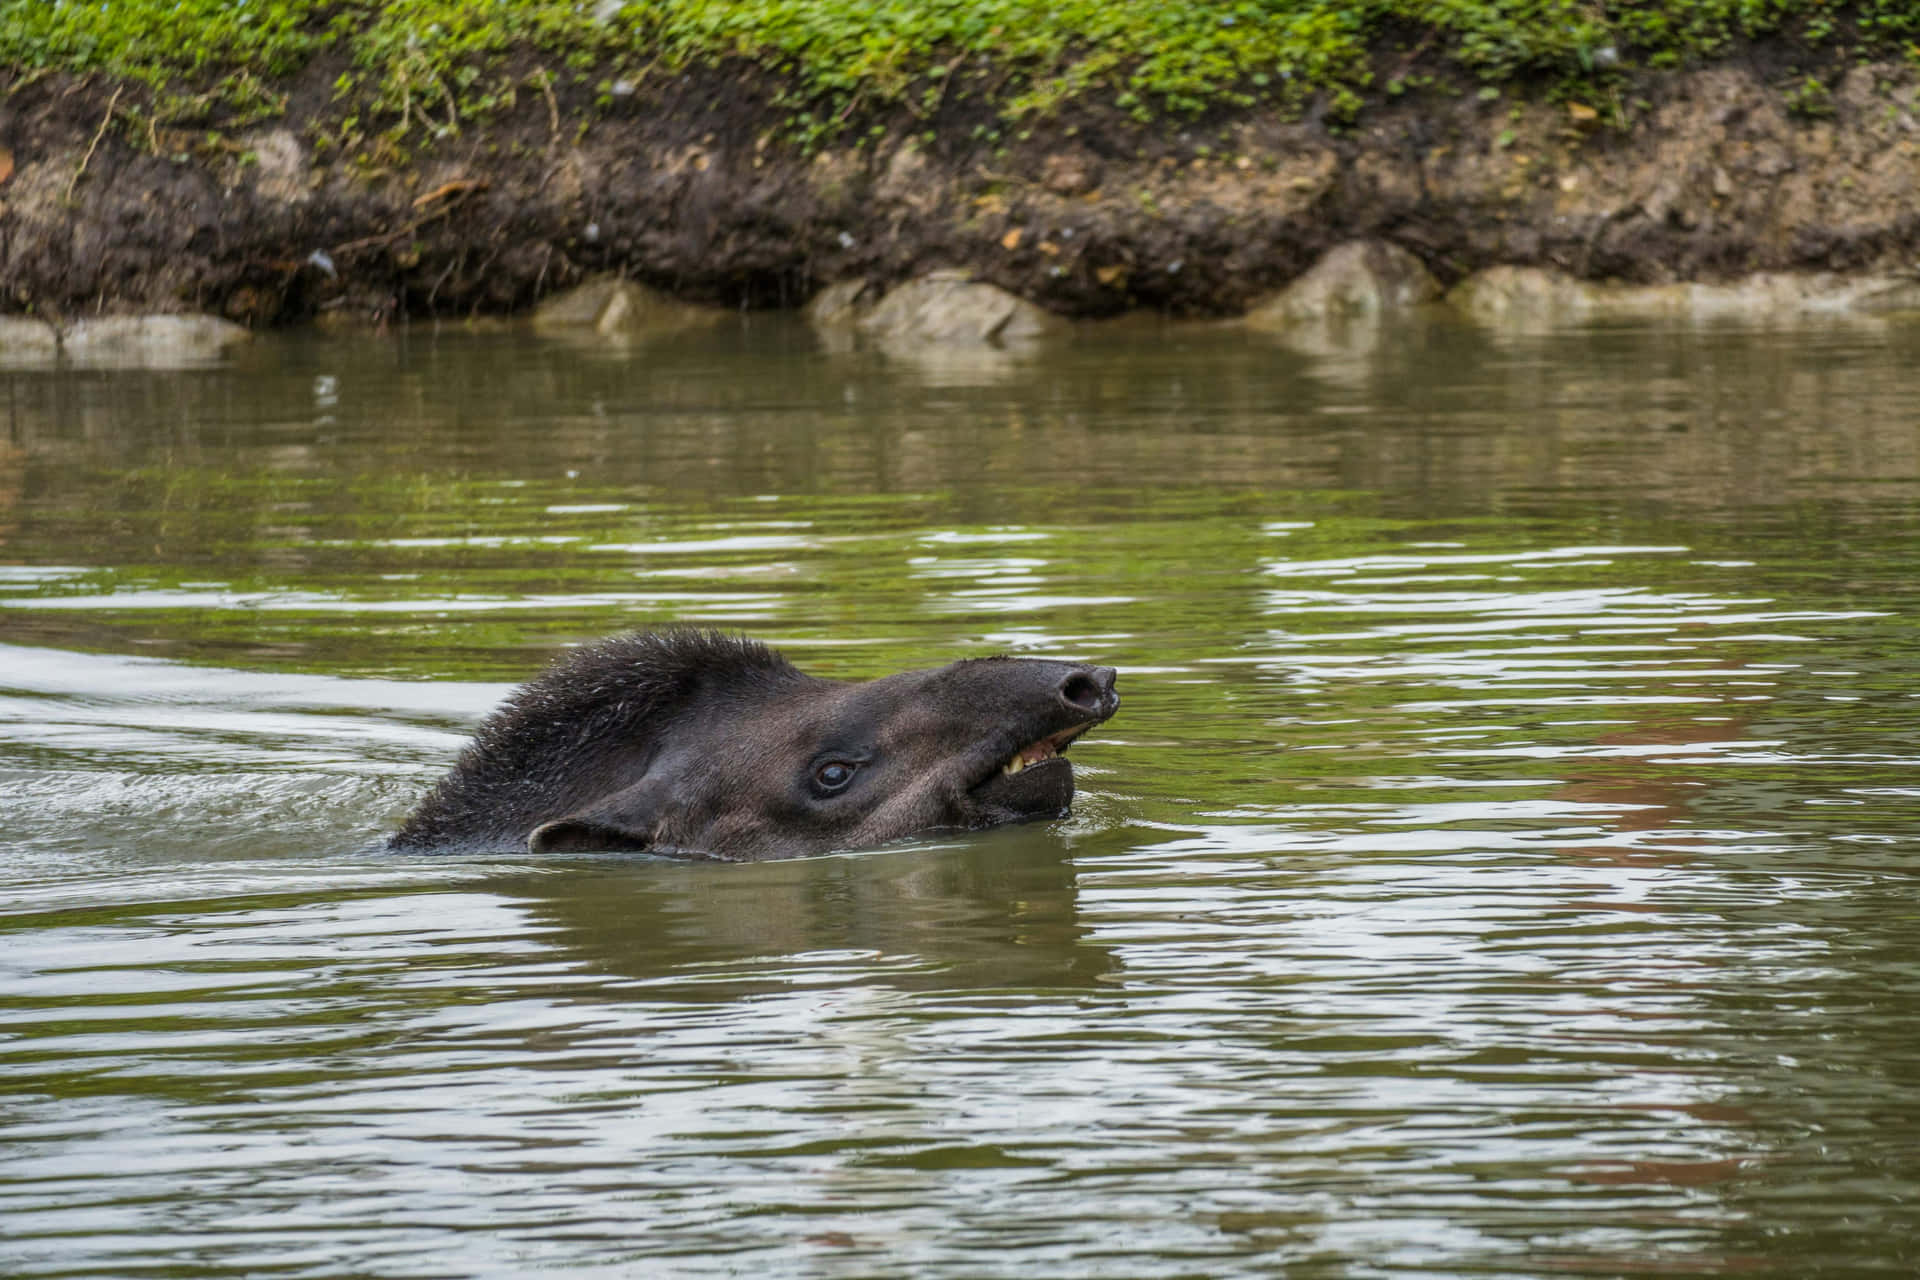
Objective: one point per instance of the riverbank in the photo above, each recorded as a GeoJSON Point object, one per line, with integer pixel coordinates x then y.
{"type": "Point", "coordinates": [307, 195]}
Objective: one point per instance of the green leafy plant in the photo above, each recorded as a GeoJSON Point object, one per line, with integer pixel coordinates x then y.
{"type": "Point", "coordinates": [433, 66]}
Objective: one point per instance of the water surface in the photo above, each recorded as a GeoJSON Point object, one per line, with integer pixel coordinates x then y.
{"type": "Point", "coordinates": [1502, 864]}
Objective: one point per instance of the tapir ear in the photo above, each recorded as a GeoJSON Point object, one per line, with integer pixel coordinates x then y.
{"type": "Point", "coordinates": [624, 821]}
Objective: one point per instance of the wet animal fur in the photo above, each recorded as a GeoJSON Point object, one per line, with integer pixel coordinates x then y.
{"type": "Point", "coordinates": [625, 687]}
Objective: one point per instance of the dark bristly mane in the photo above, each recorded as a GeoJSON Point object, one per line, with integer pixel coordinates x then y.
{"type": "Point", "coordinates": [620, 688]}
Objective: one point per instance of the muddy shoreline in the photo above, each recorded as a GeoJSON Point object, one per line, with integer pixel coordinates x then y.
{"type": "Point", "coordinates": [683, 184]}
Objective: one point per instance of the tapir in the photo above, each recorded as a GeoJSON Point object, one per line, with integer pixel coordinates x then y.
{"type": "Point", "coordinates": [703, 744]}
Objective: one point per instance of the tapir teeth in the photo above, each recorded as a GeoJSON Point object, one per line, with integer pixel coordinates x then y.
{"type": "Point", "coordinates": [1045, 749]}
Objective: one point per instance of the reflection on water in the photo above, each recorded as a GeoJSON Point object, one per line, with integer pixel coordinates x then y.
{"type": "Point", "coordinates": [1502, 864]}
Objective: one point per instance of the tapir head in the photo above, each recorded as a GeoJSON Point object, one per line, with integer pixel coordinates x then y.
{"type": "Point", "coordinates": [694, 742]}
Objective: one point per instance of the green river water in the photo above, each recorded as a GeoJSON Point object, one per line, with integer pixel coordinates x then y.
{"type": "Point", "coordinates": [1504, 862]}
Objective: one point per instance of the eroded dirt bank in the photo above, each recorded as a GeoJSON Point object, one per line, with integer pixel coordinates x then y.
{"type": "Point", "coordinates": [683, 184]}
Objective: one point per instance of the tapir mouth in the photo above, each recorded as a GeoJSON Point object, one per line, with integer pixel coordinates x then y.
{"type": "Point", "coordinates": [1035, 782]}
{"type": "Point", "coordinates": [1050, 747]}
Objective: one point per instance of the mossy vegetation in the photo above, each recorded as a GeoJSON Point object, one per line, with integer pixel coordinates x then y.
{"type": "Point", "coordinates": [435, 64]}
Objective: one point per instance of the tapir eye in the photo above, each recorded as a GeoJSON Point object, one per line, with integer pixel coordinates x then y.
{"type": "Point", "coordinates": [833, 775]}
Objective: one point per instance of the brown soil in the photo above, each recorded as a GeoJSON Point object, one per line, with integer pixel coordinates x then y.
{"type": "Point", "coordinates": [684, 186]}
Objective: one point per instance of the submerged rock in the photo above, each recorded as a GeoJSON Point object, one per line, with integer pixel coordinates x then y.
{"type": "Point", "coordinates": [150, 342]}
{"type": "Point", "coordinates": [1359, 278]}
{"type": "Point", "coordinates": [613, 307]}
{"type": "Point", "coordinates": [1524, 297]}
{"type": "Point", "coordinates": [952, 309]}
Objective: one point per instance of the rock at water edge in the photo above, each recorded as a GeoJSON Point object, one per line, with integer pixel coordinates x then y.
{"type": "Point", "coordinates": [613, 307]}
{"type": "Point", "coordinates": [1360, 278]}
{"type": "Point", "coordinates": [26, 341]}
{"type": "Point", "coordinates": [950, 309]}
{"type": "Point", "coordinates": [150, 342]}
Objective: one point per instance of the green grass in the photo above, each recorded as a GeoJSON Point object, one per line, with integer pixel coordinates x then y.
{"type": "Point", "coordinates": [437, 63]}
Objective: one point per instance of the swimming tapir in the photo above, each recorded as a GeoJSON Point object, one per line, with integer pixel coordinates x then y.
{"type": "Point", "coordinates": [695, 742]}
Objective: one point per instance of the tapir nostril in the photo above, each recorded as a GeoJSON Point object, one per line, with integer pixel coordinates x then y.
{"type": "Point", "coordinates": [1088, 690]}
